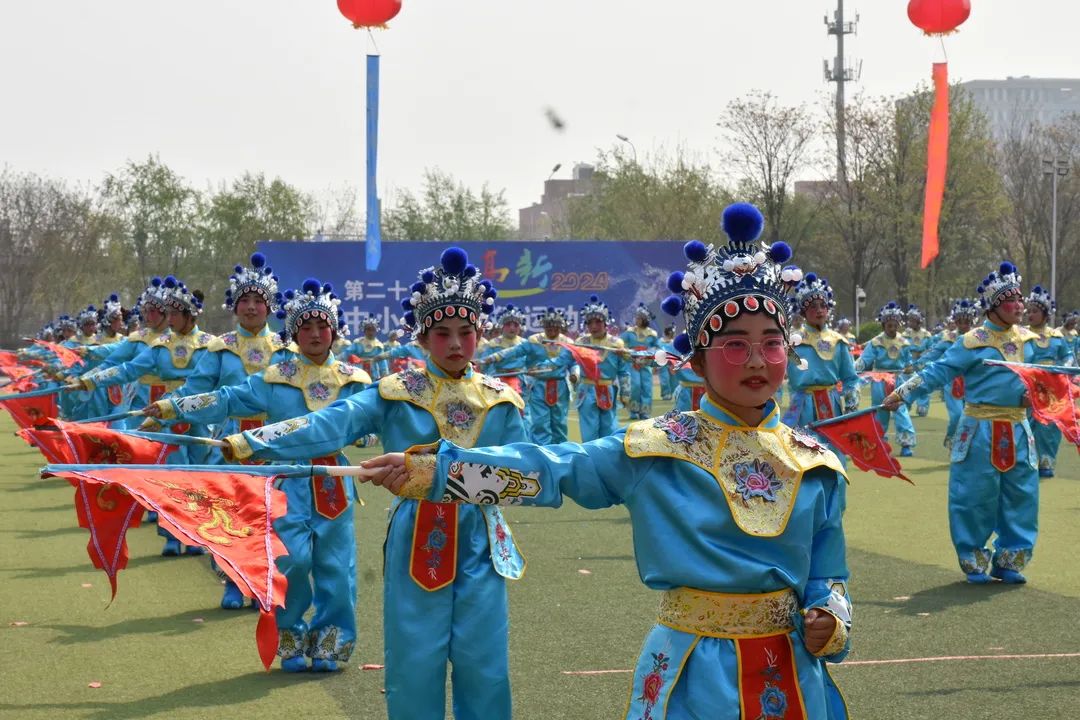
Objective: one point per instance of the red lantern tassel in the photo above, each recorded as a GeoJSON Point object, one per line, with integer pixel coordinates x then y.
{"type": "Point", "coordinates": [937, 160]}
{"type": "Point", "coordinates": [266, 637]}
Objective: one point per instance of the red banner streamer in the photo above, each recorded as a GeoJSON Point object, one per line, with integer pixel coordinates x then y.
{"type": "Point", "coordinates": [937, 161]}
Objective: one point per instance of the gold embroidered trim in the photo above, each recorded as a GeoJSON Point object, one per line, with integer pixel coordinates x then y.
{"type": "Point", "coordinates": [420, 465]}
{"type": "Point", "coordinates": [1010, 343]}
{"type": "Point", "coordinates": [730, 616]}
{"type": "Point", "coordinates": [995, 412]}
{"type": "Point", "coordinates": [836, 641]}
{"type": "Point", "coordinates": [320, 384]}
{"type": "Point", "coordinates": [812, 338]}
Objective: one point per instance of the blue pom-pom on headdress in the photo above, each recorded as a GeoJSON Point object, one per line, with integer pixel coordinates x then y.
{"type": "Point", "coordinates": [328, 288]}
{"type": "Point", "coordinates": [281, 314]}
{"type": "Point", "coordinates": [428, 276]}
{"type": "Point", "coordinates": [454, 260]}
{"type": "Point", "coordinates": [238, 268]}
{"type": "Point", "coordinates": [155, 281]}
{"type": "Point", "coordinates": [170, 281]}
{"type": "Point", "coordinates": [672, 305]}
{"type": "Point", "coordinates": [1037, 289]}
{"type": "Point", "coordinates": [470, 271]}
{"type": "Point", "coordinates": [780, 252]}
{"type": "Point", "coordinates": [594, 298]}
{"type": "Point", "coordinates": [674, 281]}
{"type": "Point", "coordinates": [682, 344]}
{"type": "Point", "coordinates": [311, 285]}
{"type": "Point", "coordinates": [810, 277]}
{"type": "Point", "coordinates": [410, 318]}
{"type": "Point", "coordinates": [258, 260]}
{"type": "Point", "coordinates": [406, 304]}
{"type": "Point", "coordinates": [743, 223]}
{"type": "Point", "coordinates": [290, 294]}
{"type": "Point", "coordinates": [1007, 268]}
{"type": "Point", "coordinates": [696, 251]}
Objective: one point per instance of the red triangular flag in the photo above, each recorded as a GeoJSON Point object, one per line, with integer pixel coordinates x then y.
{"type": "Point", "coordinates": [860, 437]}
{"type": "Point", "coordinates": [28, 412]}
{"type": "Point", "coordinates": [230, 513]}
{"type": "Point", "coordinates": [66, 356]}
{"type": "Point", "coordinates": [587, 359]}
{"type": "Point", "coordinates": [8, 358]}
{"type": "Point", "coordinates": [106, 511]}
{"type": "Point", "coordinates": [1053, 399]}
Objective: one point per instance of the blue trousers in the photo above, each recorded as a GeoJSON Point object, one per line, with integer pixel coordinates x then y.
{"type": "Point", "coordinates": [547, 423]}
{"type": "Point", "coordinates": [905, 430]}
{"type": "Point", "coordinates": [595, 423]}
{"type": "Point", "coordinates": [465, 623]}
{"type": "Point", "coordinates": [641, 392]}
{"type": "Point", "coordinates": [668, 383]}
{"type": "Point", "coordinates": [955, 407]}
{"type": "Point", "coordinates": [984, 500]}
{"type": "Point", "coordinates": [321, 570]}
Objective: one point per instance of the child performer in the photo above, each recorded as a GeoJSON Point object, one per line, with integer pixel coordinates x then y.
{"type": "Point", "coordinates": [444, 588]}
{"type": "Point", "coordinates": [993, 478]}
{"type": "Point", "coordinates": [596, 400]}
{"type": "Point", "coordinates": [920, 340]}
{"type": "Point", "coordinates": [736, 517]}
{"type": "Point", "coordinates": [509, 367]}
{"type": "Point", "coordinates": [1050, 348]}
{"type": "Point", "coordinates": [369, 348]}
{"type": "Point", "coordinates": [888, 352]}
{"type": "Point", "coordinates": [668, 382]}
{"type": "Point", "coordinates": [641, 338]}
{"type": "Point", "coordinates": [961, 318]}
{"type": "Point", "coordinates": [317, 529]}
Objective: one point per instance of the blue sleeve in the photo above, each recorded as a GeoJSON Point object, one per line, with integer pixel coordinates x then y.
{"type": "Point", "coordinates": [319, 433]}
{"type": "Point", "coordinates": [957, 360]}
{"type": "Point", "coordinates": [205, 378]}
{"type": "Point", "coordinates": [251, 397]}
{"type": "Point", "coordinates": [125, 351]}
{"type": "Point", "coordinates": [846, 369]}
{"type": "Point", "coordinates": [826, 587]}
{"type": "Point", "coordinates": [596, 474]}
{"type": "Point", "coordinates": [866, 360]}
{"type": "Point", "coordinates": [145, 363]}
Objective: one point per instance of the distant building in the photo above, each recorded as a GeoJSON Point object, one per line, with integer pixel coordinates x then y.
{"type": "Point", "coordinates": [548, 218]}
{"type": "Point", "coordinates": [1017, 101]}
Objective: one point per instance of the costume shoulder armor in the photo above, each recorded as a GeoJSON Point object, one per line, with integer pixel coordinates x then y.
{"type": "Point", "coordinates": [226, 341]}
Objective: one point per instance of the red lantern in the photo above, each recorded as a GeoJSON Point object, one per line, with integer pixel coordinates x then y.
{"type": "Point", "coordinates": [369, 13]}
{"type": "Point", "coordinates": [938, 17]}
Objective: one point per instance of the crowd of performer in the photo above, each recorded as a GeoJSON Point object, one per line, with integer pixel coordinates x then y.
{"type": "Point", "coordinates": [753, 608]}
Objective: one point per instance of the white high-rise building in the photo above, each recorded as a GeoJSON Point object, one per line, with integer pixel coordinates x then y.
{"type": "Point", "coordinates": [1017, 101]}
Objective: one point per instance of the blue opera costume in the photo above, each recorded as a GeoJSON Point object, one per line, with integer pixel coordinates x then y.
{"type": "Point", "coordinates": [643, 341]}
{"type": "Point", "coordinates": [317, 529]}
{"type": "Point", "coordinates": [993, 477]}
{"type": "Point", "coordinates": [444, 583]}
{"type": "Point", "coordinates": [920, 341]}
{"type": "Point", "coordinates": [891, 355]}
{"type": "Point", "coordinates": [737, 527]}
{"type": "Point", "coordinates": [963, 313]}
{"type": "Point", "coordinates": [370, 350]}
{"type": "Point", "coordinates": [597, 400]}
{"type": "Point", "coordinates": [1050, 348]}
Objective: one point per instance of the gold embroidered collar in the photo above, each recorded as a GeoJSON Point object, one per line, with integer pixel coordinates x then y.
{"type": "Point", "coordinates": [320, 384]}
{"type": "Point", "coordinates": [182, 347]}
{"type": "Point", "coordinates": [823, 343]}
{"type": "Point", "coordinates": [458, 407]}
{"type": "Point", "coordinates": [254, 351]}
{"type": "Point", "coordinates": [1010, 343]}
{"type": "Point", "coordinates": [759, 469]}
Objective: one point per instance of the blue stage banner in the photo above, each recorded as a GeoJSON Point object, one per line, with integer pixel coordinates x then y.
{"type": "Point", "coordinates": [531, 275]}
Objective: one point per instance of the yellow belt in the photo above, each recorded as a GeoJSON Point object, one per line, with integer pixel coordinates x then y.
{"type": "Point", "coordinates": [815, 388]}
{"type": "Point", "coordinates": [597, 382]}
{"type": "Point", "coordinates": [687, 383]}
{"type": "Point", "coordinates": [723, 615]}
{"type": "Point", "coordinates": [1045, 362]}
{"type": "Point", "coordinates": [995, 412]}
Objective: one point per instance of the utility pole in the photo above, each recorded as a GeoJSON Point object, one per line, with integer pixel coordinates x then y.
{"type": "Point", "coordinates": [840, 74]}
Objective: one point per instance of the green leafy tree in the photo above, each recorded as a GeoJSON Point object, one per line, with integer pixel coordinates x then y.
{"type": "Point", "coordinates": [447, 210]}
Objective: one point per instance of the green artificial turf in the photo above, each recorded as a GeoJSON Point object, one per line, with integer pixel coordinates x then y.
{"type": "Point", "coordinates": [163, 649]}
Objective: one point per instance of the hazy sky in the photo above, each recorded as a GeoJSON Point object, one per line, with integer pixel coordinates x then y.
{"type": "Point", "coordinates": [222, 86]}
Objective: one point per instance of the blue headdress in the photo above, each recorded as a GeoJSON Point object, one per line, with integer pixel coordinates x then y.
{"type": "Point", "coordinates": [176, 296]}
{"type": "Point", "coordinates": [370, 320]}
{"type": "Point", "coordinates": [90, 314]}
{"type": "Point", "coordinates": [66, 322]}
{"type": "Point", "coordinates": [999, 286]}
{"type": "Point", "coordinates": [1042, 298]}
{"type": "Point", "coordinates": [720, 284]}
{"type": "Point", "coordinates": [809, 289]}
{"type": "Point", "coordinates": [454, 288]}
{"type": "Point", "coordinates": [154, 294]}
{"type": "Point", "coordinates": [595, 308]}
{"type": "Point", "coordinates": [259, 279]}
{"type": "Point", "coordinates": [891, 311]}
{"type": "Point", "coordinates": [552, 317]}
{"type": "Point", "coordinates": [509, 314]}
{"type": "Point", "coordinates": [642, 311]}
{"type": "Point", "coordinates": [113, 308]}
{"type": "Point", "coordinates": [964, 308]}
{"type": "Point", "coordinates": [47, 332]}
{"type": "Point", "coordinates": [914, 313]}
{"type": "Point", "coordinates": [313, 300]}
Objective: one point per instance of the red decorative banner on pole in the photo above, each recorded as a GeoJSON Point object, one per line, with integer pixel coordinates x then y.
{"type": "Point", "coordinates": [32, 411]}
{"type": "Point", "coordinates": [937, 161]}
{"type": "Point", "coordinates": [1053, 399]}
{"type": "Point", "coordinates": [860, 437]}
{"type": "Point", "coordinates": [587, 359]}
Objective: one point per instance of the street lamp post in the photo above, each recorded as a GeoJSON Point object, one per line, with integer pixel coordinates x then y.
{"type": "Point", "coordinates": [1056, 168]}
{"type": "Point", "coordinates": [554, 170]}
{"type": "Point", "coordinates": [632, 147]}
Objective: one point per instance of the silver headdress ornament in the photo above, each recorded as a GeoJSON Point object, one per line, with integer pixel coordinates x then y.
{"type": "Point", "coordinates": [313, 300]}
{"type": "Point", "coordinates": [964, 308]}
{"type": "Point", "coordinates": [66, 322]}
{"type": "Point", "coordinates": [154, 294]}
{"type": "Point", "coordinates": [259, 279]}
{"type": "Point", "coordinates": [113, 308]}
{"type": "Point", "coordinates": [595, 308]}
{"type": "Point", "coordinates": [999, 286]}
{"type": "Point", "coordinates": [812, 288]}
{"type": "Point", "coordinates": [1043, 299]}
{"type": "Point", "coordinates": [643, 311]}
{"type": "Point", "coordinates": [176, 296]}
{"type": "Point", "coordinates": [370, 320]}
{"type": "Point", "coordinates": [552, 317]}
{"type": "Point", "coordinates": [914, 313]}
{"type": "Point", "coordinates": [90, 314]}
{"type": "Point", "coordinates": [891, 311]}
{"type": "Point", "coordinates": [509, 314]}
{"type": "Point", "coordinates": [454, 288]}
{"type": "Point", "coordinates": [720, 284]}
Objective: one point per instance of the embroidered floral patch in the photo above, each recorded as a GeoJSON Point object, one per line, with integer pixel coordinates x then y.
{"type": "Point", "coordinates": [204, 338]}
{"type": "Point", "coordinates": [255, 357]}
{"type": "Point", "coordinates": [773, 702]}
{"type": "Point", "coordinates": [756, 479]}
{"type": "Point", "coordinates": [416, 382]}
{"type": "Point", "coordinates": [229, 339]}
{"type": "Point", "coordinates": [494, 383]}
{"type": "Point", "coordinates": [318, 391]}
{"type": "Point", "coordinates": [288, 368]}
{"type": "Point", "coordinates": [346, 369]}
{"type": "Point", "coordinates": [1009, 348]}
{"type": "Point", "coordinates": [181, 351]}
{"type": "Point", "coordinates": [679, 427]}
{"type": "Point", "coordinates": [982, 335]}
{"type": "Point", "coordinates": [460, 415]}
{"type": "Point", "coordinates": [653, 683]}
{"type": "Point", "coordinates": [824, 346]}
